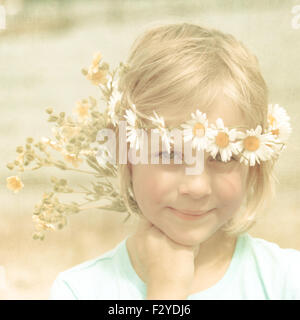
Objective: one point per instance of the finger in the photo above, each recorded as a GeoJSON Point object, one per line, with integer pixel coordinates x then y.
{"type": "Point", "coordinates": [196, 250]}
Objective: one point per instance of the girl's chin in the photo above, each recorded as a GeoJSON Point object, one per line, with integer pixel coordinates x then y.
{"type": "Point", "coordinates": [192, 238]}
{"type": "Point", "coordinates": [184, 237]}
{"type": "Point", "coordinates": [186, 241]}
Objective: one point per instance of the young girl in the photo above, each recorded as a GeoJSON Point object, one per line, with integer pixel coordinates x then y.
{"type": "Point", "coordinates": [191, 240]}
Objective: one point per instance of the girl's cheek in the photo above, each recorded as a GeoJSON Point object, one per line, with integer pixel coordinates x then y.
{"type": "Point", "coordinates": [151, 185]}
{"type": "Point", "coordinates": [230, 188]}
{"type": "Point", "coordinates": [160, 184]}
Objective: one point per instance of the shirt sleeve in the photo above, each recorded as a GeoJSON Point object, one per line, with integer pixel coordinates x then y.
{"type": "Point", "coordinates": [60, 290]}
{"type": "Point", "coordinates": [293, 275]}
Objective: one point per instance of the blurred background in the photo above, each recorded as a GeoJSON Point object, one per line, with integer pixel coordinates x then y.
{"type": "Point", "coordinates": [43, 46]}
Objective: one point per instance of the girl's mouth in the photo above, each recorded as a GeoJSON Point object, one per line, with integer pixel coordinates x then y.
{"type": "Point", "coordinates": [189, 216]}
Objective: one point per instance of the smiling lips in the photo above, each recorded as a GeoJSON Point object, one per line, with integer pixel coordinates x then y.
{"type": "Point", "coordinates": [190, 215]}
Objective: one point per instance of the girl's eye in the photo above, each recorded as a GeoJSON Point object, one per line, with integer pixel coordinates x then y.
{"type": "Point", "coordinates": [172, 155]}
{"type": "Point", "coordinates": [219, 159]}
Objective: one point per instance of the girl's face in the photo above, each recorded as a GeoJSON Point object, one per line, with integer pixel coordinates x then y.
{"type": "Point", "coordinates": [220, 189]}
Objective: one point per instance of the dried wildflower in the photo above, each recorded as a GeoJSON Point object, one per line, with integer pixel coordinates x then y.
{"type": "Point", "coordinates": [97, 72]}
{"type": "Point", "coordinates": [19, 149]}
{"type": "Point", "coordinates": [14, 183]}
{"type": "Point", "coordinates": [10, 166]}
{"type": "Point", "coordinates": [82, 109]}
{"type": "Point", "coordinates": [52, 118]}
{"type": "Point", "coordinates": [69, 157]}
{"type": "Point", "coordinates": [51, 143]}
{"type": "Point", "coordinates": [68, 132]}
{"type": "Point", "coordinates": [38, 236]}
{"type": "Point", "coordinates": [49, 110]}
{"type": "Point", "coordinates": [41, 225]}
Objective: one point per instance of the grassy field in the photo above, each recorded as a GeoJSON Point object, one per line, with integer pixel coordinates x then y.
{"type": "Point", "coordinates": [42, 52]}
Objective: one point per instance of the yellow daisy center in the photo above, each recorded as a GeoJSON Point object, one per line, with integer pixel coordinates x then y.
{"type": "Point", "coordinates": [222, 140]}
{"type": "Point", "coordinates": [251, 143]}
{"type": "Point", "coordinates": [275, 132]}
{"type": "Point", "coordinates": [272, 120]}
{"type": "Point", "coordinates": [199, 130]}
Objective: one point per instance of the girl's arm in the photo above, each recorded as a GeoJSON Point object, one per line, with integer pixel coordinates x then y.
{"type": "Point", "coordinates": [166, 266]}
{"type": "Point", "coordinates": [158, 291]}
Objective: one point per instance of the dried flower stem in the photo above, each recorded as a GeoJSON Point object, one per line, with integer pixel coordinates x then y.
{"type": "Point", "coordinates": [98, 207]}
{"type": "Point", "coordinates": [79, 170]}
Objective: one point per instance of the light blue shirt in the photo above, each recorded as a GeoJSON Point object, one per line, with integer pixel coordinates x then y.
{"type": "Point", "coordinates": [258, 270]}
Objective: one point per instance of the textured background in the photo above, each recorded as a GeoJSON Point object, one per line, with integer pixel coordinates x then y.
{"type": "Point", "coordinates": [42, 50]}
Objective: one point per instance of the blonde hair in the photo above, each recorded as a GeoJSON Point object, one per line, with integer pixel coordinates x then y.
{"type": "Point", "coordinates": [176, 65]}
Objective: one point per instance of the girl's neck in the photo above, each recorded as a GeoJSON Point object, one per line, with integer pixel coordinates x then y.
{"type": "Point", "coordinates": [213, 257]}
{"type": "Point", "coordinates": [215, 251]}
{"type": "Point", "coordinates": [212, 261]}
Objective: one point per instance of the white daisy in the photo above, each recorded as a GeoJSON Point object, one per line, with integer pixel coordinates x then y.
{"type": "Point", "coordinates": [197, 130]}
{"type": "Point", "coordinates": [256, 146]}
{"type": "Point", "coordinates": [222, 140]}
{"type": "Point", "coordinates": [134, 135]}
{"type": "Point", "coordinates": [279, 122]}
{"type": "Point", "coordinates": [114, 102]}
{"type": "Point", "coordinates": [164, 133]}
{"type": "Point", "coordinates": [131, 117]}
{"type": "Point", "coordinates": [159, 121]}
{"type": "Point", "coordinates": [166, 138]}
{"type": "Point", "coordinates": [112, 83]}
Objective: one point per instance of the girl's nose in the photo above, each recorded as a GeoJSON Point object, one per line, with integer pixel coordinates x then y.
{"type": "Point", "coordinates": [196, 186]}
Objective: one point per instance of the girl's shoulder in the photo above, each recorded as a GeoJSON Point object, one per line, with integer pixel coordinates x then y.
{"type": "Point", "coordinates": [85, 279]}
{"type": "Point", "coordinates": [265, 249]}
{"type": "Point", "coordinates": [278, 268]}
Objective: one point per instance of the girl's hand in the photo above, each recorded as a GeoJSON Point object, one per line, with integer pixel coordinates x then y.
{"type": "Point", "coordinates": [167, 267]}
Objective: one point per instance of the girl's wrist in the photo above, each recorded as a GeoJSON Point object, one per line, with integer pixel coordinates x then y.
{"type": "Point", "coordinates": [159, 291]}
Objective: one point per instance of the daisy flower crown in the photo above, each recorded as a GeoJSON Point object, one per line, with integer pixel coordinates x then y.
{"type": "Point", "coordinates": [253, 146]}
{"type": "Point", "coordinates": [75, 145]}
